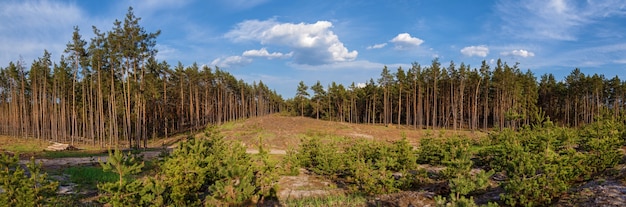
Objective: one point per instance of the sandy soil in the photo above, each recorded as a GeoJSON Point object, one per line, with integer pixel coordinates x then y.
{"type": "Point", "coordinates": [281, 132]}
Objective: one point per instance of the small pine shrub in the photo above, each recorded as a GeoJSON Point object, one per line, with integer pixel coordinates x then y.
{"type": "Point", "coordinates": [212, 172]}
{"type": "Point", "coordinates": [322, 159]}
{"type": "Point", "coordinates": [543, 163]}
{"type": "Point", "coordinates": [435, 151]}
{"type": "Point", "coordinates": [404, 155]}
{"type": "Point", "coordinates": [290, 163]}
{"type": "Point", "coordinates": [124, 191]}
{"type": "Point", "coordinates": [372, 179]}
{"type": "Point", "coordinates": [27, 186]}
{"type": "Point", "coordinates": [266, 175]}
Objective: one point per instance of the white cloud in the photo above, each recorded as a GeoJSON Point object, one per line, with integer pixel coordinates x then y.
{"type": "Point", "coordinates": [264, 53]}
{"type": "Point", "coordinates": [480, 51]}
{"type": "Point", "coordinates": [166, 52]}
{"type": "Point", "coordinates": [312, 44]}
{"type": "Point", "coordinates": [359, 65]}
{"type": "Point", "coordinates": [377, 46]}
{"type": "Point", "coordinates": [246, 58]}
{"type": "Point", "coordinates": [231, 61]}
{"type": "Point", "coordinates": [554, 19]}
{"type": "Point", "coordinates": [405, 41]}
{"type": "Point", "coordinates": [521, 53]}
{"type": "Point", "coordinates": [361, 85]}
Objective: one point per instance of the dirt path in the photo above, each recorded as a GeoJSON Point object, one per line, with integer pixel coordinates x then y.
{"type": "Point", "coordinates": [73, 161]}
{"type": "Point", "coordinates": [94, 160]}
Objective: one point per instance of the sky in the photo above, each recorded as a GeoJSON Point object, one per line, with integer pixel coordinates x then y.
{"type": "Point", "coordinates": [284, 42]}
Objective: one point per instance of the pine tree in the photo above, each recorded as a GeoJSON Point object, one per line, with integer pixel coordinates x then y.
{"type": "Point", "coordinates": [301, 96]}
{"type": "Point", "coordinates": [24, 186]}
{"type": "Point", "coordinates": [124, 192]}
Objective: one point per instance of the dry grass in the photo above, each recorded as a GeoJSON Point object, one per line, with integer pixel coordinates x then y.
{"type": "Point", "coordinates": [30, 147]}
{"type": "Point", "coordinates": [277, 131]}
{"type": "Point", "coordinates": [283, 132]}
{"type": "Point", "coordinates": [22, 145]}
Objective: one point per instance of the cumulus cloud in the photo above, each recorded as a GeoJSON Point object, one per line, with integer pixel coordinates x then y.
{"type": "Point", "coordinates": [358, 66]}
{"type": "Point", "coordinates": [377, 46]}
{"type": "Point", "coordinates": [405, 41]}
{"type": "Point", "coordinates": [520, 53]}
{"type": "Point", "coordinates": [264, 53]}
{"type": "Point", "coordinates": [480, 51]}
{"type": "Point", "coordinates": [246, 58]}
{"type": "Point", "coordinates": [231, 61]}
{"type": "Point", "coordinates": [361, 85]}
{"type": "Point", "coordinates": [312, 44]}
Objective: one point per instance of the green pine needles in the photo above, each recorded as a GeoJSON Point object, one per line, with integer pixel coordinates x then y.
{"type": "Point", "coordinates": [126, 190]}
{"type": "Point", "coordinates": [204, 171]}
{"type": "Point", "coordinates": [24, 185]}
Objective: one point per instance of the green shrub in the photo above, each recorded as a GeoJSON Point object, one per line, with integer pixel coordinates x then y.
{"type": "Point", "coordinates": [22, 188]}
{"type": "Point", "coordinates": [321, 158]}
{"type": "Point", "coordinates": [543, 163]}
{"type": "Point", "coordinates": [601, 141]}
{"type": "Point", "coordinates": [267, 174]}
{"type": "Point", "coordinates": [368, 166]}
{"type": "Point", "coordinates": [435, 151]}
{"type": "Point", "coordinates": [213, 172]}
{"type": "Point", "coordinates": [290, 163]}
{"type": "Point", "coordinates": [372, 178]}
{"type": "Point", "coordinates": [431, 151]}
{"type": "Point", "coordinates": [200, 171]}
{"type": "Point", "coordinates": [124, 191]}
{"type": "Point", "coordinates": [404, 155]}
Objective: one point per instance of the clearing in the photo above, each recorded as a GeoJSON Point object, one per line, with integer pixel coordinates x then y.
{"type": "Point", "coordinates": [281, 133]}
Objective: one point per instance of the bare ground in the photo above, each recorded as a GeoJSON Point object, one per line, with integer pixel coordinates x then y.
{"type": "Point", "coordinates": [283, 132]}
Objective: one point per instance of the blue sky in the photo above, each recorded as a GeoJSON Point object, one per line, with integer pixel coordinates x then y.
{"type": "Point", "coordinates": [284, 42]}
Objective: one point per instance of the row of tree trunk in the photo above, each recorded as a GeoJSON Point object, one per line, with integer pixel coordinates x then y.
{"type": "Point", "coordinates": [113, 91]}
{"type": "Point", "coordinates": [459, 97]}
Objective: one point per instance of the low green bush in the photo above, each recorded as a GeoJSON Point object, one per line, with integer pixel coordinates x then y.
{"type": "Point", "coordinates": [25, 186]}
{"type": "Point", "coordinates": [435, 151]}
{"type": "Point", "coordinates": [542, 163]}
{"type": "Point", "coordinates": [124, 191]}
{"type": "Point", "coordinates": [321, 158]}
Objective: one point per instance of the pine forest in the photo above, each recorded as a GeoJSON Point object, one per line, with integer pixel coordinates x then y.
{"type": "Point", "coordinates": [460, 97]}
{"type": "Point", "coordinates": [112, 90]}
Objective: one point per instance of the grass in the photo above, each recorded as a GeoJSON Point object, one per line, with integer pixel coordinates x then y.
{"type": "Point", "coordinates": [230, 125]}
{"type": "Point", "coordinates": [89, 175]}
{"type": "Point", "coordinates": [331, 200]}
{"type": "Point", "coordinates": [78, 153]}
{"type": "Point", "coordinates": [22, 145]}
